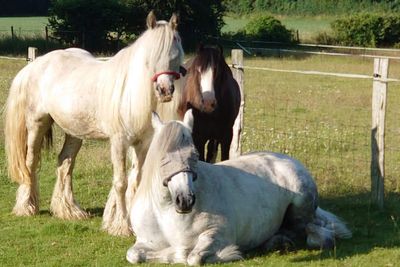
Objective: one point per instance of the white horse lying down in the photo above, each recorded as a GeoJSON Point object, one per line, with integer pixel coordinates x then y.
{"type": "Point", "coordinates": [231, 207]}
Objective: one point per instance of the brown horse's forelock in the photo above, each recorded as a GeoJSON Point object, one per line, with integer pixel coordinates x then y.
{"type": "Point", "coordinates": [205, 57]}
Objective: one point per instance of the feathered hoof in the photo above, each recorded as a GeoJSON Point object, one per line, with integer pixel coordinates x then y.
{"type": "Point", "coordinates": [69, 212]}
{"type": "Point", "coordinates": [26, 209]}
{"type": "Point", "coordinates": [27, 203]}
{"type": "Point", "coordinates": [120, 228]}
{"type": "Point", "coordinates": [320, 237]}
{"type": "Point", "coordinates": [194, 259]}
{"type": "Point", "coordinates": [134, 256]}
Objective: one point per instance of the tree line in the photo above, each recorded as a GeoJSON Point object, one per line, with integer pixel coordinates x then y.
{"type": "Point", "coordinates": [311, 7]}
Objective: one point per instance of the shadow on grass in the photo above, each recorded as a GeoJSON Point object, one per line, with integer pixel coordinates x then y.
{"type": "Point", "coordinates": [372, 228]}
{"type": "Point", "coordinates": [95, 212]}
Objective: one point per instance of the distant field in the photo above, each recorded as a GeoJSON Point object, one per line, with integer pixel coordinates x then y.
{"type": "Point", "coordinates": [22, 25]}
{"type": "Point", "coordinates": [308, 27]}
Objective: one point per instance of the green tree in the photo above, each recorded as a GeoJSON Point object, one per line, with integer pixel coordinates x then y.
{"type": "Point", "coordinates": [198, 19]}
{"type": "Point", "coordinates": [88, 23]}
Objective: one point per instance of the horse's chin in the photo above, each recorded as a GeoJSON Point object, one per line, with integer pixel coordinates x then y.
{"type": "Point", "coordinates": [183, 211]}
{"type": "Point", "coordinates": [164, 99]}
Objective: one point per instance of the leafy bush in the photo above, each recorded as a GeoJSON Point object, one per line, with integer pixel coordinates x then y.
{"type": "Point", "coordinates": [368, 30]}
{"type": "Point", "coordinates": [268, 28]}
{"type": "Point", "coordinates": [311, 7]}
{"type": "Point", "coordinates": [325, 38]}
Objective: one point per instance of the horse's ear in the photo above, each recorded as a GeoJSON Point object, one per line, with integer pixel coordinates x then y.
{"type": "Point", "coordinates": [151, 20]}
{"type": "Point", "coordinates": [221, 49]}
{"type": "Point", "coordinates": [188, 119]}
{"type": "Point", "coordinates": [155, 120]}
{"type": "Point", "coordinates": [173, 21]}
{"type": "Point", "coordinates": [200, 47]}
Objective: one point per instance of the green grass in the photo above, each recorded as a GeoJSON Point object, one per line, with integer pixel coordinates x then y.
{"type": "Point", "coordinates": [322, 121]}
{"type": "Point", "coordinates": [22, 25]}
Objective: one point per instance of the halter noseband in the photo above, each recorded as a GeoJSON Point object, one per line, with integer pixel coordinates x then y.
{"type": "Point", "coordinates": [176, 75]}
{"type": "Point", "coordinates": [173, 73]}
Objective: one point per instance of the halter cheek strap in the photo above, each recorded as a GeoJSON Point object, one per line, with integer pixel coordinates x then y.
{"type": "Point", "coordinates": [173, 73]}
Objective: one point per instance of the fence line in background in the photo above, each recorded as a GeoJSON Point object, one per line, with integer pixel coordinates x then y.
{"type": "Point", "coordinates": [311, 72]}
{"type": "Point", "coordinates": [380, 84]}
{"type": "Point", "coordinates": [288, 51]}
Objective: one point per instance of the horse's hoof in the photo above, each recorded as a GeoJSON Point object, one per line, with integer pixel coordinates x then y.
{"type": "Point", "coordinates": [193, 260]}
{"type": "Point", "coordinates": [134, 256]}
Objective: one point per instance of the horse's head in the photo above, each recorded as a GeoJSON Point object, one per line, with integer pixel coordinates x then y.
{"type": "Point", "coordinates": [167, 56]}
{"type": "Point", "coordinates": [204, 78]}
{"type": "Point", "coordinates": [178, 166]}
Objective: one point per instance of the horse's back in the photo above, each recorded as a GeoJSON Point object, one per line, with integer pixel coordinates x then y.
{"type": "Point", "coordinates": [256, 191]}
{"type": "Point", "coordinates": [276, 168]}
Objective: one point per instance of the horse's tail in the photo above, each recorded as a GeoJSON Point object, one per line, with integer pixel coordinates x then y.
{"type": "Point", "coordinates": [15, 130]}
{"type": "Point", "coordinates": [325, 228]}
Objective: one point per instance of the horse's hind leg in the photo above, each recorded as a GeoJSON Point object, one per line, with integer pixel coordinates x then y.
{"type": "Point", "coordinates": [115, 217]}
{"type": "Point", "coordinates": [226, 145]}
{"type": "Point", "coordinates": [27, 201]}
{"type": "Point", "coordinates": [63, 204]}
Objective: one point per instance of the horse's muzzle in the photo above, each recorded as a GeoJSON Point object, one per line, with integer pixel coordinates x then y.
{"type": "Point", "coordinates": [164, 93]}
{"type": "Point", "coordinates": [184, 203]}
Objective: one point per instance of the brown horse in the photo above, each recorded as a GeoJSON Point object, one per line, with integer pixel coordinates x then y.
{"type": "Point", "coordinates": [214, 95]}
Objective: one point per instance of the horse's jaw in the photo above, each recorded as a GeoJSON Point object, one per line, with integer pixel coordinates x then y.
{"type": "Point", "coordinates": [183, 212]}
{"type": "Point", "coordinates": [164, 98]}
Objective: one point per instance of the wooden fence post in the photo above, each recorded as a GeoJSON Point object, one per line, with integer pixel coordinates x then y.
{"type": "Point", "coordinates": [46, 31]}
{"type": "Point", "coordinates": [32, 53]}
{"type": "Point", "coordinates": [238, 74]}
{"type": "Point", "coordinates": [12, 32]}
{"type": "Point", "coordinates": [379, 91]}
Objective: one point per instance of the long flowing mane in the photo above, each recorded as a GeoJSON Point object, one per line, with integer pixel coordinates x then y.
{"type": "Point", "coordinates": [170, 138]}
{"type": "Point", "coordinates": [125, 92]}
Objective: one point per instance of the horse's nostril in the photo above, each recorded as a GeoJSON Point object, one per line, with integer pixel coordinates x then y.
{"type": "Point", "coordinates": [192, 200]}
{"type": "Point", "coordinates": [178, 201]}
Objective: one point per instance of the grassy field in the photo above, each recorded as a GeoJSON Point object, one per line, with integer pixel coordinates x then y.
{"type": "Point", "coordinates": [22, 25]}
{"type": "Point", "coordinates": [322, 121]}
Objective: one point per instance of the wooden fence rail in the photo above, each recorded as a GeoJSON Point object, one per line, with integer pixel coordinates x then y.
{"type": "Point", "coordinates": [379, 92]}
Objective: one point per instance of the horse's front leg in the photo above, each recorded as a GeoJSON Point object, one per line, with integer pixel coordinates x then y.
{"type": "Point", "coordinates": [140, 253]}
{"type": "Point", "coordinates": [115, 217]}
{"type": "Point", "coordinates": [226, 144]}
{"type": "Point", "coordinates": [212, 151]}
{"type": "Point", "coordinates": [137, 156]}
{"type": "Point", "coordinates": [210, 249]}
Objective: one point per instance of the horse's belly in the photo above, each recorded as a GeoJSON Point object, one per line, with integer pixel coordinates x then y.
{"type": "Point", "coordinates": [254, 230]}
{"type": "Point", "coordinates": [77, 118]}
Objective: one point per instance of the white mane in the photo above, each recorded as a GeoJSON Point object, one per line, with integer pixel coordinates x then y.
{"type": "Point", "coordinates": [125, 86]}
{"type": "Point", "coordinates": [171, 137]}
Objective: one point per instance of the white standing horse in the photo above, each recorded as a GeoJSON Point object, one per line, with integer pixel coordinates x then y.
{"type": "Point", "coordinates": [89, 99]}
{"type": "Point", "coordinates": [231, 207]}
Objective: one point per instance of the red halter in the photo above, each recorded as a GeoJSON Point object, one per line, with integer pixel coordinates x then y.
{"type": "Point", "coordinates": [174, 73]}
